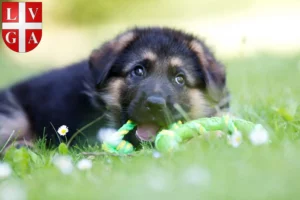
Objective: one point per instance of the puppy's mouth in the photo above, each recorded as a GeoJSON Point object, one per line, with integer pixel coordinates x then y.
{"type": "Point", "coordinates": [147, 131]}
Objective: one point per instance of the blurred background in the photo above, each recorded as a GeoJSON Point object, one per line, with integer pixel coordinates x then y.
{"type": "Point", "coordinates": [72, 28]}
{"type": "Point", "coordinates": [232, 28]}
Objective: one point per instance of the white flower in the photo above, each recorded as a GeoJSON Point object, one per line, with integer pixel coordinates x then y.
{"type": "Point", "coordinates": [157, 180]}
{"type": "Point", "coordinates": [12, 191]}
{"type": "Point", "coordinates": [84, 164]}
{"type": "Point", "coordinates": [63, 130]}
{"type": "Point", "coordinates": [195, 175]}
{"type": "Point", "coordinates": [156, 154]}
{"type": "Point", "coordinates": [259, 135]}
{"type": "Point", "coordinates": [219, 134]}
{"type": "Point", "coordinates": [235, 139]}
{"type": "Point", "coordinates": [63, 163]}
{"type": "Point", "coordinates": [109, 161]}
{"type": "Point", "coordinates": [109, 136]}
{"type": "Point", "coordinates": [5, 170]}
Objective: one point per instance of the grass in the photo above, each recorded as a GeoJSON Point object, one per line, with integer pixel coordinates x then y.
{"type": "Point", "coordinates": [265, 89]}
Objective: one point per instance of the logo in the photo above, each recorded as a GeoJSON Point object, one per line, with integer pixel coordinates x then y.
{"type": "Point", "coordinates": [22, 25]}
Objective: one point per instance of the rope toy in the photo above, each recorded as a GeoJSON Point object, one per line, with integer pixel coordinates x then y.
{"type": "Point", "coordinates": [169, 139]}
{"type": "Point", "coordinates": [118, 145]}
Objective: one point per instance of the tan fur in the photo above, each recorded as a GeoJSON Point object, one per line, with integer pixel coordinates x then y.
{"type": "Point", "coordinates": [115, 45]}
{"type": "Point", "coordinates": [199, 106]}
{"type": "Point", "coordinates": [113, 93]}
{"type": "Point", "coordinates": [112, 98]}
{"type": "Point", "coordinates": [147, 54]}
{"type": "Point", "coordinates": [215, 87]}
{"type": "Point", "coordinates": [121, 42]}
{"type": "Point", "coordinates": [14, 125]}
{"type": "Point", "coordinates": [199, 50]}
{"type": "Point", "coordinates": [176, 62]}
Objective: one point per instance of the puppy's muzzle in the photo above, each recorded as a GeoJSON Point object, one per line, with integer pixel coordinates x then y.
{"type": "Point", "coordinates": [155, 104]}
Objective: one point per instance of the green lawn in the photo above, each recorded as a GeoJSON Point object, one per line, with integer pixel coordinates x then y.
{"type": "Point", "coordinates": [265, 89]}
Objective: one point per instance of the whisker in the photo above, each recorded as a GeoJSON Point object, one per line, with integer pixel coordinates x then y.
{"type": "Point", "coordinates": [168, 116]}
{"type": "Point", "coordinates": [182, 112]}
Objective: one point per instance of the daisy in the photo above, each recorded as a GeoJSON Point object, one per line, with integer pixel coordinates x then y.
{"type": "Point", "coordinates": [235, 139]}
{"type": "Point", "coordinates": [157, 180]}
{"type": "Point", "coordinates": [63, 163]}
{"type": "Point", "coordinates": [219, 134]}
{"type": "Point", "coordinates": [259, 135]}
{"type": "Point", "coordinates": [195, 175]}
{"type": "Point", "coordinates": [12, 191]}
{"type": "Point", "coordinates": [156, 154]}
{"type": "Point", "coordinates": [63, 130]}
{"type": "Point", "coordinates": [5, 170]}
{"type": "Point", "coordinates": [84, 164]}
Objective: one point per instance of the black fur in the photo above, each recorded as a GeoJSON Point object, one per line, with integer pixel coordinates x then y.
{"type": "Point", "coordinates": [73, 95]}
{"type": "Point", "coordinates": [58, 97]}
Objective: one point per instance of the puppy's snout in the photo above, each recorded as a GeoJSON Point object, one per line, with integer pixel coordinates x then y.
{"type": "Point", "coordinates": [155, 103]}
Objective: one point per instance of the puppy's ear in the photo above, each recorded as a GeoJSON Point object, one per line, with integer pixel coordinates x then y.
{"type": "Point", "coordinates": [214, 72]}
{"type": "Point", "coordinates": [102, 59]}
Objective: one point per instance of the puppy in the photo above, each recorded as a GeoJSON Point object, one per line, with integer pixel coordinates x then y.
{"type": "Point", "coordinates": [153, 76]}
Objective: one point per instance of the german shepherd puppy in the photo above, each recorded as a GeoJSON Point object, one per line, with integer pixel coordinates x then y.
{"type": "Point", "coordinates": [153, 76]}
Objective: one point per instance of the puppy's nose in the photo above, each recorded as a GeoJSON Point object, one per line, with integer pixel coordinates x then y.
{"type": "Point", "coordinates": [155, 103]}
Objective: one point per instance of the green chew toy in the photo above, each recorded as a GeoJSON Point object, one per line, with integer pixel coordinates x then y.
{"type": "Point", "coordinates": [118, 145]}
{"type": "Point", "coordinates": [169, 139]}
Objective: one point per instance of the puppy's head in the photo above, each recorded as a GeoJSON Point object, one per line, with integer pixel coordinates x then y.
{"type": "Point", "coordinates": [156, 76]}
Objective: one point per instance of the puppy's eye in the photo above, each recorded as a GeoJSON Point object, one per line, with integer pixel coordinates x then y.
{"type": "Point", "coordinates": [179, 79]}
{"type": "Point", "coordinates": [139, 71]}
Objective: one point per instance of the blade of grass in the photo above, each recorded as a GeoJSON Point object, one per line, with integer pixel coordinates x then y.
{"type": "Point", "coordinates": [7, 141]}
{"type": "Point", "coordinates": [56, 132]}
{"type": "Point", "coordinates": [83, 128]}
